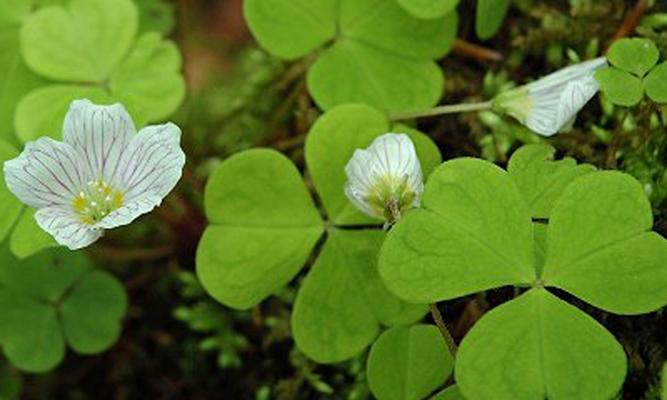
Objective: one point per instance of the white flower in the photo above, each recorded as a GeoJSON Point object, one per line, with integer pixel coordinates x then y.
{"type": "Point", "coordinates": [550, 103]}
{"type": "Point", "coordinates": [101, 176]}
{"type": "Point", "coordinates": [385, 180]}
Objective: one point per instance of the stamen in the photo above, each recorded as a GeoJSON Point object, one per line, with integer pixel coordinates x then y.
{"type": "Point", "coordinates": [96, 201]}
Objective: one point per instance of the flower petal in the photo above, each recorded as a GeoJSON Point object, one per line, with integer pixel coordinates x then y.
{"type": "Point", "coordinates": [46, 173]}
{"type": "Point", "coordinates": [66, 227]}
{"type": "Point", "coordinates": [100, 134]}
{"type": "Point", "coordinates": [394, 154]}
{"type": "Point", "coordinates": [130, 211]}
{"type": "Point", "coordinates": [153, 162]}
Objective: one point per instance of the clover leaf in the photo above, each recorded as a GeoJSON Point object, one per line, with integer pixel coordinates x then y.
{"type": "Point", "coordinates": [55, 298]}
{"type": "Point", "coordinates": [597, 246]}
{"type": "Point", "coordinates": [366, 51]}
{"type": "Point", "coordinates": [634, 55]}
{"type": "Point", "coordinates": [620, 87]}
{"type": "Point", "coordinates": [489, 17]}
{"type": "Point", "coordinates": [10, 207]}
{"type": "Point", "coordinates": [540, 179]}
{"type": "Point", "coordinates": [428, 9]}
{"type": "Point", "coordinates": [451, 393]}
{"type": "Point", "coordinates": [655, 83]}
{"type": "Point", "coordinates": [89, 48]}
{"type": "Point", "coordinates": [342, 301]}
{"type": "Point", "coordinates": [408, 363]}
{"type": "Point", "coordinates": [264, 227]}
{"type": "Point", "coordinates": [536, 347]}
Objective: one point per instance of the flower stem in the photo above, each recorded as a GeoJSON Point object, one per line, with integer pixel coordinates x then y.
{"type": "Point", "coordinates": [446, 109]}
{"type": "Point", "coordinates": [437, 317]}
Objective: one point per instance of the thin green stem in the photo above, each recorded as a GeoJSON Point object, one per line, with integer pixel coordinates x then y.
{"type": "Point", "coordinates": [446, 109]}
{"type": "Point", "coordinates": [440, 322]}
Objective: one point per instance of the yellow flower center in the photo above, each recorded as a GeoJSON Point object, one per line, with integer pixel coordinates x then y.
{"type": "Point", "coordinates": [96, 200]}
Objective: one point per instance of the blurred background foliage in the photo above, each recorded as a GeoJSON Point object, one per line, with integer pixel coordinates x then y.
{"type": "Point", "coordinates": [178, 343]}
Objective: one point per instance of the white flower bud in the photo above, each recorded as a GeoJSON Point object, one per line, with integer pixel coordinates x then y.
{"type": "Point", "coordinates": [385, 180]}
{"type": "Point", "coordinates": [550, 103]}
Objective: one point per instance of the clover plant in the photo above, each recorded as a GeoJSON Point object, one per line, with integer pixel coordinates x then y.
{"type": "Point", "coordinates": [54, 299]}
{"type": "Point", "coordinates": [489, 17]}
{"type": "Point", "coordinates": [264, 226]}
{"type": "Point", "coordinates": [633, 73]}
{"type": "Point", "coordinates": [367, 51]}
{"type": "Point", "coordinates": [548, 228]}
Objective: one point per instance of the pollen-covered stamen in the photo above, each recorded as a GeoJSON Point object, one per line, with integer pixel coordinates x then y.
{"type": "Point", "coordinates": [96, 200]}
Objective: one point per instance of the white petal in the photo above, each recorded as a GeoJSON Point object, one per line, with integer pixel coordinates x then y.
{"type": "Point", "coordinates": [568, 74]}
{"type": "Point", "coordinates": [153, 162]}
{"type": "Point", "coordinates": [66, 227]}
{"type": "Point", "coordinates": [130, 211]}
{"type": "Point", "coordinates": [46, 173]}
{"type": "Point", "coordinates": [100, 134]}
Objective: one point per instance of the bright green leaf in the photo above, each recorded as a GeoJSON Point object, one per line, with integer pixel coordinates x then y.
{"type": "Point", "coordinates": [291, 29]}
{"type": "Point", "coordinates": [148, 82]}
{"type": "Point", "coordinates": [385, 25]}
{"type": "Point", "coordinates": [472, 233]}
{"type": "Point", "coordinates": [352, 72]}
{"type": "Point", "coordinates": [42, 111]}
{"type": "Point", "coordinates": [655, 83]}
{"type": "Point", "coordinates": [82, 42]}
{"type": "Point", "coordinates": [96, 294]}
{"type": "Point", "coordinates": [12, 12]}
{"type": "Point", "coordinates": [10, 207]}
{"type": "Point", "coordinates": [428, 9]}
{"type": "Point", "coordinates": [28, 238]}
{"type": "Point", "coordinates": [339, 308]}
{"type": "Point", "coordinates": [634, 55]}
{"type": "Point", "coordinates": [346, 128]}
{"type": "Point", "coordinates": [600, 247]}
{"type": "Point", "coordinates": [536, 347]}
{"type": "Point", "coordinates": [408, 363]}
{"type": "Point", "coordinates": [620, 87]}
{"type": "Point", "coordinates": [264, 226]}
{"type": "Point", "coordinates": [540, 245]}
{"type": "Point", "coordinates": [489, 17]}
{"type": "Point", "coordinates": [540, 179]}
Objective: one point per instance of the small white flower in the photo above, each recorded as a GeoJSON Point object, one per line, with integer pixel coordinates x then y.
{"type": "Point", "coordinates": [550, 103]}
{"type": "Point", "coordinates": [101, 176]}
{"type": "Point", "coordinates": [385, 180]}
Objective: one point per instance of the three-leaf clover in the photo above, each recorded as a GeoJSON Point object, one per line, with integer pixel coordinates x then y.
{"type": "Point", "coordinates": [54, 298]}
{"type": "Point", "coordinates": [366, 51]}
{"type": "Point", "coordinates": [89, 49]}
{"type": "Point", "coordinates": [625, 81]}
{"type": "Point", "coordinates": [475, 232]}
{"type": "Point", "coordinates": [264, 226]}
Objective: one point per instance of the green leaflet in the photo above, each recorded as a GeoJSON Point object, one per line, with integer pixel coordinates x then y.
{"type": "Point", "coordinates": [264, 226]}
{"type": "Point", "coordinates": [540, 179]}
{"type": "Point", "coordinates": [620, 87]}
{"type": "Point", "coordinates": [489, 17]}
{"type": "Point", "coordinates": [408, 363]}
{"type": "Point", "coordinates": [342, 302]}
{"type": "Point", "coordinates": [472, 233]}
{"type": "Point", "coordinates": [346, 128]}
{"type": "Point", "coordinates": [634, 55]}
{"type": "Point", "coordinates": [55, 298]}
{"type": "Point", "coordinates": [91, 50]}
{"type": "Point", "coordinates": [536, 347]}
{"type": "Point", "coordinates": [367, 51]}
{"type": "Point", "coordinates": [451, 393]}
{"type": "Point", "coordinates": [600, 247]}
{"type": "Point", "coordinates": [655, 83]}
{"type": "Point", "coordinates": [428, 9]}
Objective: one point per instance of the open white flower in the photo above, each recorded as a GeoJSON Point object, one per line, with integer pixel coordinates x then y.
{"type": "Point", "coordinates": [550, 103]}
{"type": "Point", "coordinates": [101, 176]}
{"type": "Point", "coordinates": [385, 180]}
